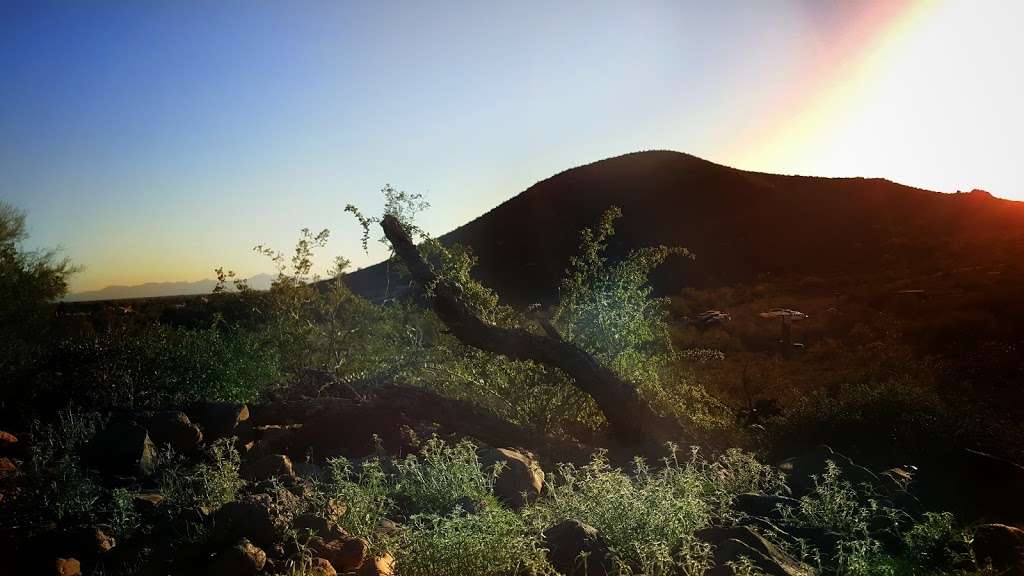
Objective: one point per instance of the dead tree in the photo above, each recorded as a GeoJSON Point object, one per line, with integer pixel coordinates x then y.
{"type": "Point", "coordinates": [629, 415]}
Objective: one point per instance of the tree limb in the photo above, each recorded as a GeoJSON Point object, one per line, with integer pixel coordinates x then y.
{"type": "Point", "coordinates": [630, 417]}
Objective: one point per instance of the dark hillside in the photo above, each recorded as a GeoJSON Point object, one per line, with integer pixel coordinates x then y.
{"type": "Point", "coordinates": [741, 225]}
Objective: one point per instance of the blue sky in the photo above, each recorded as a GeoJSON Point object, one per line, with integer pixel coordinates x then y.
{"type": "Point", "coordinates": [158, 140]}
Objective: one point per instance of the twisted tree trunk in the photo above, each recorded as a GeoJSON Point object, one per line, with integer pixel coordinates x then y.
{"type": "Point", "coordinates": [629, 415]}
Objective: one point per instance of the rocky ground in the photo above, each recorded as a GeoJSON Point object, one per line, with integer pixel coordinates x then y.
{"type": "Point", "coordinates": [284, 445]}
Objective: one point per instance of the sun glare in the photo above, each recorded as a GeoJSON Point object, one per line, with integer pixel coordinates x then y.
{"type": "Point", "coordinates": [934, 103]}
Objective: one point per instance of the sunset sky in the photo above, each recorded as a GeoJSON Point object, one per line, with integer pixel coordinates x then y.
{"type": "Point", "coordinates": [155, 141]}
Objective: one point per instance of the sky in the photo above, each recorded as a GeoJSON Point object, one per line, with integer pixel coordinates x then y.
{"type": "Point", "coordinates": [155, 141]}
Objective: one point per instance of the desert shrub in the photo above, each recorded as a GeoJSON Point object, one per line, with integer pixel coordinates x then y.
{"type": "Point", "coordinates": [30, 282]}
{"type": "Point", "coordinates": [493, 542]}
{"type": "Point", "coordinates": [937, 541]}
{"type": "Point", "coordinates": [441, 478]}
{"type": "Point", "coordinates": [365, 491]}
{"type": "Point", "coordinates": [157, 366]}
{"type": "Point", "coordinates": [57, 486]}
{"type": "Point", "coordinates": [648, 518]}
{"type": "Point", "coordinates": [873, 422]}
{"type": "Point", "coordinates": [210, 483]}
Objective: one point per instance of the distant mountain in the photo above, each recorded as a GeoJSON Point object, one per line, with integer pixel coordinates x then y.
{"type": "Point", "coordinates": [740, 225]}
{"type": "Point", "coordinates": [157, 289]}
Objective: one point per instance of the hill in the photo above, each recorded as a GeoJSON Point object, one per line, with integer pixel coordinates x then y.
{"type": "Point", "coordinates": [741, 225]}
{"type": "Point", "coordinates": [161, 289]}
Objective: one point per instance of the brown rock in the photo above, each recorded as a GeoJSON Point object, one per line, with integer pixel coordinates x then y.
{"type": "Point", "coordinates": [267, 467]}
{"type": "Point", "coordinates": [7, 467]}
{"type": "Point", "coordinates": [576, 549]}
{"type": "Point", "coordinates": [321, 567]}
{"type": "Point", "coordinates": [379, 566]}
{"type": "Point", "coordinates": [520, 480]}
{"type": "Point", "coordinates": [345, 554]}
{"type": "Point", "coordinates": [123, 448]}
{"type": "Point", "coordinates": [1000, 546]}
{"type": "Point", "coordinates": [318, 526]}
{"type": "Point", "coordinates": [221, 420]}
{"type": "Point", "coordinates": [174, 428]}
{"type": "Point", "coordinates": [256, 517]}
{"type": "Point", "coordinates": [734, 544]}
{"type": "Point", "coordinates": [241, 560]}
{"type": "Point", "coordinates": [8, 442]}
{"type": "Point", "coordinates": [147, 502]}
{"type": "Point", "coordinates": [68, 567]}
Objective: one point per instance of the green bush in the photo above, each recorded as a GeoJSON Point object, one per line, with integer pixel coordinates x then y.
{"type": "Point", "coordinates": [442, 478]}
{"type": "Point", "coordinates": [366, 494]}
{"type": "Point", "coordinates": [494, 542]}
{"type": "Point", "coordinates": [158, 366]}
{"type": "Point", "coordinates": [210, 483]}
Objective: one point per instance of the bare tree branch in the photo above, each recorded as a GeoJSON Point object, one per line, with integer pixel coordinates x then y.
{"type": "Point", "coordinates": [629, 415]}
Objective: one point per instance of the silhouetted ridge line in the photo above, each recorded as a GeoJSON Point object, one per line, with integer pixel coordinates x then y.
{"type": "Point", "coordinates": [740, 224]}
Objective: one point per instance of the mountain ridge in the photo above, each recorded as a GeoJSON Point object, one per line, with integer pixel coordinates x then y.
{"type": "Point", "coordinates": [160, 289]}
{"type": "Point", "coordinates": [740, 224]}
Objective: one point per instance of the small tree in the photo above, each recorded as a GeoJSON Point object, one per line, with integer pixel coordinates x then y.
{"type": "Point", "coordinates": [30, 282]}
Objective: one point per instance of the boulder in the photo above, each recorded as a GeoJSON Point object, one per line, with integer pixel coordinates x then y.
{"type": "Point", "coordinates": [1000, 547]}
{"type": "Point", "coordinates": [739, 544]}
{"type": "Point", "coordinates": [801, 470]}
{"type": "Point", "coordinates": [8, 444]}
{"type": "Point", "coordinates": [7, 467]}
{"type": "Point", "coordinates": [221, 420]}
{"type": "Point", "coordinates": [67, 567]}
{"type": "Point", "coordinates": [174, 428]}
{"type": "Point", "coordinates": [317, 526]}
{"type": "Point", "coordinates": [320, 567]}
{"type": "Point", "coordinates": [576, 549]}
{"type": "Point", "coordinates": [244, 559]}
{"type": "Point", "coordinates": [123, 448]}
{"type": "Point", "coordinates": [90, 543]}
{"type": "Point", "coordinates": [765, 505]}
{"type": "Point", "coordinates": [520, 480]}
{"type": "Point", "coordinates": [346, 554]}
{"type": "Point", "coordinates": [147, 502]}
{"type": "Point", "coordinates": [379, 566]}
{"type": "Point", "coordinates": [267, 467]}
{"type": "Point", "coordinates": [255, 517]}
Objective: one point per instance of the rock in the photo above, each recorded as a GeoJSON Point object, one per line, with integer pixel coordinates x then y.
{"type": "Point", "coordinates": [999, 546]}
{"type": "Point", "coordinates": [388, 527]}
{"type": "Point", "coordinates": [801, 470]}
{"type": "Point", "coordinates": [91, 542]}
{"type": "Point", "coordinates": [147, 502]}
{"type": "Point", "coordinates": [320, 567]}
{"type": "Point", "coordinates": [345, 554]}
{"type": "Point", "coordinates": [978, 487]}
{"type": "Point", "coordinates": [733, 544]}
{"type": "Point", "coordinates": [576, 549]}
{"type": "Point", "coordinates": [123, 448]}
{"type": "Point", "coordinates": [241, 560]}
{"type": "Point", "coordinates": [7, 467]}
{"type": "Point", "coordinates": [317, 526]}
{"type": "Point", "coordinates": [221, 420]}
{"type": "Point", "coordinates": [520, 480]}
{"type": "Point", "coordinates": [255, 517]}
{"type": "Point", "coordinates": [8, 444]}
{"type": "Point", "coordinates": [764, 505]}
{"type": "Point", "coordinates": [267, 467]}
{"type": "Point", "coordinates": [308, 470]}
{"type": "Point", "coordinates": [273, 439]}
{"type": "Point", "coordinates": [379, 566]}
{"type": "Point", "coordinates": [895, 480]}
{"type": "Point", "coordinates": [175, 429]}
{"type": "Point", "coordinates": [68, 567]}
